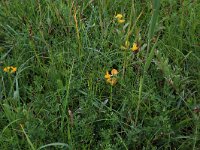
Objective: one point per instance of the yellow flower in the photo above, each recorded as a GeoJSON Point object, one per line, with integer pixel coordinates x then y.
{"type": "Point", "coordinates": [121, 20]}
{"type": "Point", "coordinates": [114, 72]}
{"type": "Point", "coordinates": [135, 47]}
{"type": "Point", "coordinates": [112, 81]}
{"type": "Point", "coordinates": [6, 69]}
{"type": "Point", "coordinates": [119, 16]}
{"type": "Point", "coordinates": [14, 69]}
{"type": "Point", "coordinates": [110, 78]}
{"type": "Point", "coordinates": [107, 75]}
{"type": "Point", "coordinates": [10, 69]}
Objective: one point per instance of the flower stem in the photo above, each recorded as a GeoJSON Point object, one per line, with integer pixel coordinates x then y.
{"type": "Point", "coordinates": [111, 89]}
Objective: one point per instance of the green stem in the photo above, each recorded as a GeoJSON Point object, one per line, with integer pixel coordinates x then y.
{"type": "Point", "coordinates": [66, 100]}
{"type": "Point", "coordinates": [111, 97]}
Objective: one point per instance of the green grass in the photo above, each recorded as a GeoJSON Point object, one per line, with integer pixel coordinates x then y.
{"type": "Point", "coordinates": [59, 98]}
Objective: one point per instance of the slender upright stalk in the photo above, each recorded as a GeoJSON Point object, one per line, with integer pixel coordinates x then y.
{"type": "Point", "coordinates": [149, 57]}
{"type": "Point", "coordinates": [66, 100]}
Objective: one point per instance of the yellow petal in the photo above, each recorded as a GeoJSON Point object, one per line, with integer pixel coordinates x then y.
{"type": "Point", "coordinates": [14, 69]}
{"type": "Point", "coordinates": [113, 81]}
{"type": "Point", "coordinates": [109, 80]}
{"type": "Point", "coordinates": [6, 69]}
{"type": "Point", "coordinates": [119, 16]}
{"type": "Point", "coordinates": [135, 47]}
{"type": "Point", "coordinates": [114, 72]}
{"type": "Point", "coordinates": [10, 69]}
{"type": "Point", "coordinates": [121, 20]}
{"type": "Point", "coordinates": [107, 75]}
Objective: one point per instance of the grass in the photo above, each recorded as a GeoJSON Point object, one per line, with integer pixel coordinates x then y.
{"type": "Point", "coordinates": [59, 99]}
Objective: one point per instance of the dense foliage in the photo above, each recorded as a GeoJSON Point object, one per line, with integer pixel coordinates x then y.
{"type": "Point", "coordinates": [74, 75]}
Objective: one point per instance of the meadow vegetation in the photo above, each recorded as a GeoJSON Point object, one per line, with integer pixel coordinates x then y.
{"type": "Point", "coordinates": [99, 74]}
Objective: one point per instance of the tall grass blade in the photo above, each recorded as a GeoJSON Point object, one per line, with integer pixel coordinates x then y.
{"type": "Point", "coordinates": [153, 21]}
{"type": "Point", "coordinates": [53, 145]}
{"type": "Point", "coordinates": [27, 138]}
{"type": "Point", "coordinates": [156, 5]}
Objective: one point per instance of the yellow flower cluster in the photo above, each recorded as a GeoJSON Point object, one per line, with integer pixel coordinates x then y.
{"type": "Point", "coordinates": [119, 18]}
{"type": "Point", "coordinates": [10, 69]}
{"type": "Point", "coordinates": [111, 77]}
{"type": "Point", "coordinates": [134, 48]}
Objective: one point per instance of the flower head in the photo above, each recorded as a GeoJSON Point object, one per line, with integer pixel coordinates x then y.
{"type": "Point", "coordinates": [10, 69]}
{"type": "Point", "coordinates": [119, 18]}
{"type": "Point", "coordinates": [14, 69]}
{"type": "Point", "coordinates": [114, 72]}
{"type": "Point", "coordinates": [107, 75]}
{"type": "Point", "coordinates": [111, 77]}
{"type": "Point", "coordinates": [135, 47]}
{"type": "Point", "coordinates": [112, 81]}
{"type": "Point", "coordinates": [6, 69]}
